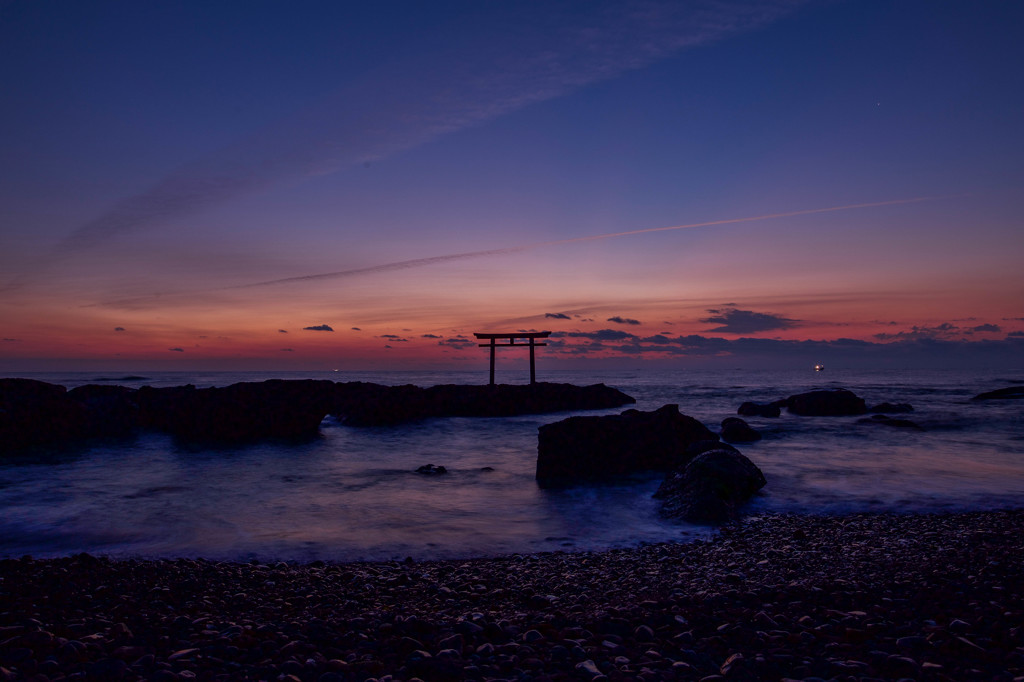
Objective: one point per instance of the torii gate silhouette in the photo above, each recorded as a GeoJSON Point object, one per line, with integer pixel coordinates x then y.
{"type": "Point", "coordinates": [530, 336]}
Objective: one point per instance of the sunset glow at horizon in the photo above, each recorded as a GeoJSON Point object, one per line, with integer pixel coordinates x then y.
{"type": "Point", "coordinates": [759, 183]}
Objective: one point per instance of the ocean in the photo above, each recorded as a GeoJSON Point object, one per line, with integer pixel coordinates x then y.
{"type": "Point", "coordinates": [354, 494]}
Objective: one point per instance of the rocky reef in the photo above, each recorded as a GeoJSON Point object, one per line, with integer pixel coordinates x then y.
{"type": "Point", "coordinates": [37, 414]}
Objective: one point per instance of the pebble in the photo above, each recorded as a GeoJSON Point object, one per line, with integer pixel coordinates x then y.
{"type": "Point", "coordinates": [863, 596]}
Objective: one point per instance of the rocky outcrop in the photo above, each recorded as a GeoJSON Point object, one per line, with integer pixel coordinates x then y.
{"type": "Point", "coordinates": [35, 413]}
{"type": "Point", "coordinates": [711, 488]}
{"type": "Point", "coordinates": [735, 430]}
{"type": "Point", "coordinates": [826, 403]}
{"type": "Point", "coordinates": [1001, 394]}
{"type": "Point", "coordinates": [239, 413]}
{"type": "Point", "coordinates": [751, 409]}
{"type": "Point", "coordinates": [363, 404]}
{"type": "Point", "coordinates": [110, 411]}
{"type": "Point", "coordinates": [582, 449]}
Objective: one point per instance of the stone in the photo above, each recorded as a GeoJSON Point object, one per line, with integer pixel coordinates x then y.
{"type": "Point", "coordinates": [365, 404]}
{"type": "Point", "coordinates": [735, 430]}
{"type": "Point", "coordinates": [1001, 394]}
{"type": "Point", "coordinates": [885, 420]}
{"type": "Point", "coordinates": [891, 408]}
{"type": "Point", "coordinates": [243, 412]}
{"type": "Point", "coordinates": [751, 409]}
{"type": "Point", "coordinates": [826, 403]}
{"type": "Point", "coordinates": [711, 488]}
{"type": "Point", "coordinates": [431, 470]}
{"type": "Point", "coordinates": [35, 413]}
{"type": "Point", "coordinates": [594, 448]}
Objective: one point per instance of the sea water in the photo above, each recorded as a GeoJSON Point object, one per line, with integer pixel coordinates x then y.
{"type": "Point", "coordinates": [354, 493]}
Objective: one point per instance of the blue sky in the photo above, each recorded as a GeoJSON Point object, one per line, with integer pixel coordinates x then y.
{"type": "Point", "coordinates": [162, 157]}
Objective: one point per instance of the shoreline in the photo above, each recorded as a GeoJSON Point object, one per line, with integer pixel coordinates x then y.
{"type": "Point", "coordinates": [780, 596]}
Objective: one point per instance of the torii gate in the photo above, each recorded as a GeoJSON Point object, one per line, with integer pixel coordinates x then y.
{"type": "Point", "coordinates": [531, 336]}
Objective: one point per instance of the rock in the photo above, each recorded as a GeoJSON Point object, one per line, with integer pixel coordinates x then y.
{"type": "Point", "coordinates": [1001, 394]}
{"type": "Point", "coordinates": [594, 448]}
{"type": "Point", "coordinates": [431, 470]}
{"type": "Point", "coordinates": [826, 403]}
{"type": "Point", "coordinates": [735, 430]}
{"type": "Point", "coordinates": [711, 488]}
{"type": "Point", "coordinates": [35, 413]}
{"type": "Point", "coordinates": [109, 410]}
{"type": "Point", "coordinates": [751, 409]}
{"type": "Point", "coordinates": [364, 404]}
{"type": "Point", "coordinates": [243, 412]}
{"type": "Point", "coordinates": [891, 408]}
{"type": "Point", "coordinates": [890, 421]}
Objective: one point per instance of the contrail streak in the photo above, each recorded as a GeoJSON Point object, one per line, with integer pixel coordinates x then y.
{"type": "Point", "coordinates": [433, 260]}
{"type": "Point", "coordinates": [532, 57]}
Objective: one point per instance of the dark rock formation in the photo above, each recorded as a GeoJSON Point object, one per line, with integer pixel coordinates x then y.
{"type": "Point", "coordinates": [431, 470]}
{"type": "Point", "coordinates": [34, 413]}
{"type": "Point", "coordinates": [890, 421]}
{"type": "Point", "coordinates": [109, 410]}
{"type": "Point", "coordinates": [826, 403]}
{"type": "Point", "coordinates": [239, 413]}
{"type": "Point", "coordinates": [751, 409]}
{"type": "Point", "coordinates": [891, 408]}
{"type": "Point", "coordinates": [594, 448]}
{"type": "Point", "coordinates": [1001, 394]}
{"type": "Point", "coordinates": [363, 404]}
{"type": "Point", "coordinates": [711, 488]}
{"type": "Point", "coordinates": [735, 430]}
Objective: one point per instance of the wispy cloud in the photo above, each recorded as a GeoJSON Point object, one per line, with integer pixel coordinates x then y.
{"type": "Point", "coordinates": [529, 58]}
{"type": "Point", "coordinates": [319, 328]}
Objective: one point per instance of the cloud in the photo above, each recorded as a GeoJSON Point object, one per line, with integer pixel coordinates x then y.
{"type": "Point", "coordinates": [118, 329]}
{"type": "Point", "coordinates": [8, 340]}
{"type": "Point", "coordinates": [557, 316]}
{"type": "Point", "coordinates": [600, 335]}
{"type": "Point", "coordinates": [356, 329]}
{"type": "Point", "coordinates": [288, 350]}
{"type": "Point", "coordinates": [430, 336]}
{"type": "Point", "coordinates": [987, 328]}
{"type": "Point", "coordinates": [734, 321]}
{"type": "Point", "coordinates": [458, 342]}
{"type": "Point", "coordinates": [319, 328]}
{"type": "Point", "coordinates": [177, 350]}
{"type": "Point", "coordinates": [623, 320]}
{"type": "Point", "coordinates": [282, 331]}
{"type": "Point", "coordinates": [392, 337]}
{"type": "Point", "coordinates": [944, 330]}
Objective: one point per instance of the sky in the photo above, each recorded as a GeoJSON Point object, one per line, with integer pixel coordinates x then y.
{"type": "Point", "coordinates": [274, 185]}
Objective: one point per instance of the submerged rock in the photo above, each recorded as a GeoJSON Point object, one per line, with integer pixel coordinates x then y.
{"type": "Point", "coordinates": [594, 448]}
{"type": "Point", "coordinates": [752, 409]}
{"type": "Point", "coordinates": [1001, 394]}
{"type": "Point", "coordinates": [890, 408]}
{"type": "Point", "coordinates": [711, 488]}
{"type": "Point", "coordinates": [735, 430]}
{"type": "Point", "coordinates": [431, 470]}
{"type": "Point", "coordinates": [826, 403]}
{"type": "Point", "coordinates": [890, 421]}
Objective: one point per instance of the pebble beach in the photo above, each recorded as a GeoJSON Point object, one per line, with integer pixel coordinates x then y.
{"type": "Point", "coordinates": [775, 597]}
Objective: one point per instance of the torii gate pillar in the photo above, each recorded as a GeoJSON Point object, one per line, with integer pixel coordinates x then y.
{"type": "Point", "coordinates": [529, 336]}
